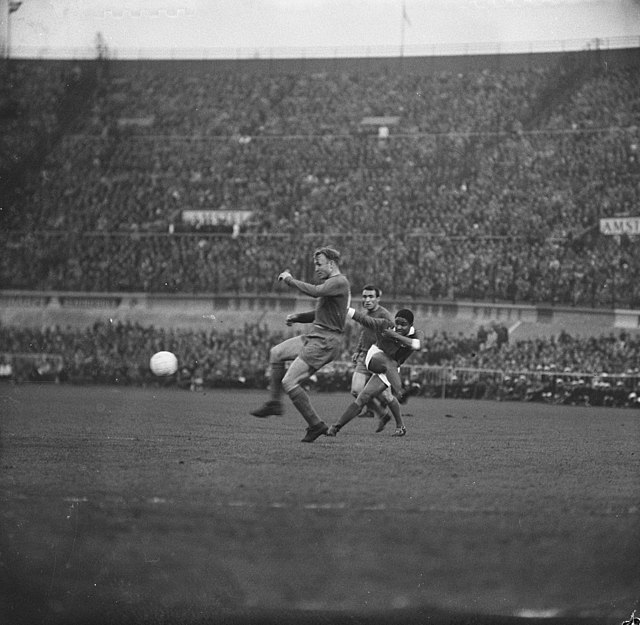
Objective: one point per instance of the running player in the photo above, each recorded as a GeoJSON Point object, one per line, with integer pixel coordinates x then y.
{"type": "Point", "coordinates": [371, 303]}
{"type": "Point", "coordinates": [310, 352]}
{"type": "Point", "coordinates": [395, 342]}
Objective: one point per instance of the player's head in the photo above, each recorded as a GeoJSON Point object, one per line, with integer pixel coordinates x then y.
{"type": "Point", "coordinates": [371, 297]}
{"type": "Point", "coordinates": [326, 261]}
{"type": "Point", "coordinates": [403, 321]}
{"type": "Point", "coordinates": [329, 253]}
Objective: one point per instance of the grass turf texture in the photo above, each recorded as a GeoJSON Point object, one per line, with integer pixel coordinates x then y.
{"type": "Point", "coordinates": [127, 505]}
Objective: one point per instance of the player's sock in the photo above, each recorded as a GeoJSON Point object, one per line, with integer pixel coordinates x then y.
{"type": "Point", "coordinates": [394, 406]}
{"type": "Point", "coordinates": [352, 411]}
{"type": "Point", "coordinates": [277, 373]}
{"type": "Point", "coordinates": [301, 401]}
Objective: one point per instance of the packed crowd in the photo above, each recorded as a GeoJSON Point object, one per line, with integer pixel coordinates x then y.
{"type": "Point", "coordinates": [486, 364]}
{"type": "Point", "coordinates": [486, 189]}
{"type": "Point", "coordinates": [30, 96]}
{"type": "Point", "coordinates": [118, 353]}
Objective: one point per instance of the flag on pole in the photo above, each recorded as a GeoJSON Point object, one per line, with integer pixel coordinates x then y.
{"type": "Point", "coordinates": [405, 17]}
{"type": "Point", "coordinates": [14, 5]}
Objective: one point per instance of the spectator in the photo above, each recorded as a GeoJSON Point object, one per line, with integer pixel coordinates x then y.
{"type": "Point", "coordinates": [492, 187]}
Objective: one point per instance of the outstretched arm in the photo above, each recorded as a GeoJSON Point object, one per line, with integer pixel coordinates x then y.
{"type": "Point", "coordinates": [303, 317]}
{"type": "Point", "coordinates": [373, 323]}
{"type": "Point", "coordinates": [328, 287]}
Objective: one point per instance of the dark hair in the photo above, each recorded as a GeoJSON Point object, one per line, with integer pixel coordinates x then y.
{"type": "Point", "coordinates": [329, 253]}
{"type": "Point", "coordinates": [370, 287]}
{"type": "Point", "coordinates": [405, 313]}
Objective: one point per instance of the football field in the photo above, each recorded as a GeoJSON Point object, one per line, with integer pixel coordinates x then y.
{"type": "Point", "coordinates": [129, 505]}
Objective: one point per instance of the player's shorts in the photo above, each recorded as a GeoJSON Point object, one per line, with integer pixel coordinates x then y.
{"type": "Point", "coordinates": [373, 350]}
{"type": "Point", "coordinates": [361, 365]}
{"type": "Point", "coordinates": [321, 347]}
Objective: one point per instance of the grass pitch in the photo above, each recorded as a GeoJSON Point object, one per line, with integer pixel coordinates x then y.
{"type": "Point", "coordinates": [154, 505]}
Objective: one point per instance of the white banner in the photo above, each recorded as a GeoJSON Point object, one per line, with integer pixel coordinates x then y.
{"type": "Point", "coordinates": [615, 226]}
{"type": "Point", "coordinates": [215, 217]}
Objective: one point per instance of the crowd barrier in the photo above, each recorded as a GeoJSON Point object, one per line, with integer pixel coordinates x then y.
{"type": "Point", "coordinates": [18, 366]}
{"type": "Point", "coordinates": [544, 385]}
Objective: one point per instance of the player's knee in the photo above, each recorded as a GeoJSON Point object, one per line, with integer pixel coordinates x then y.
{"type": "Point", "coordinates": [378, 364]}
{"type": "Point", "coordinates": [274, 354]}
{"type": "Point", "coordinates": [292, 381]}
{"type": "Point", "coordinates": [358, 382]}
{"type": "Point", "coordinates": [364, 398]}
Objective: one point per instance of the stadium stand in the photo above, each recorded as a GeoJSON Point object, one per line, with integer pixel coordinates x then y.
{"type": "Point", "coordinates": [486, 189]}
{"type": "Point", "coordinates": [486, 185]}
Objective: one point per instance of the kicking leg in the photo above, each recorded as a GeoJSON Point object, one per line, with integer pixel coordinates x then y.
{"type": "Point", "coordinates": [381, 363]}
{"type": "Point", "coordinates": [373, 387]}
{"type": "Point", "coordinates": [278, 356]}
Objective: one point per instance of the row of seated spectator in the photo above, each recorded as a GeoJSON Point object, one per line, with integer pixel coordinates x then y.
{"type": "Point", "coordinates": [476, 269]}
{"type": "Point", "coordinates": [119, 352]}
{"type": "Point", "coordinates": [236, 103]}
{"type": "Point", "coordinates": [462, 201]}
{"type": "Point", "coordinates": [30, 97]}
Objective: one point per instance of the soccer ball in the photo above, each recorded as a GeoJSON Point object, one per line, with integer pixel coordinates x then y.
{"type": "Point", "coordinates": [163, 363]}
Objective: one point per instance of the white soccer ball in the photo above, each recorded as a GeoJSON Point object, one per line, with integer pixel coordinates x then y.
{"type": "Point", "coordinates": [163, 363]}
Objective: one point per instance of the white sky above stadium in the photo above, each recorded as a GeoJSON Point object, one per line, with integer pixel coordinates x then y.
{"type": "Point", "coordinates": [308, 28]}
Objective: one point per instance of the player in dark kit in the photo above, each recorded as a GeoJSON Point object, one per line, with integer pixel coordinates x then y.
{"type": "Point", "coordinates": [311, 351]}
{"type": "Point", "coordinates": [395, 342]}
{"type": "Point", "coordinates": [371, 304]}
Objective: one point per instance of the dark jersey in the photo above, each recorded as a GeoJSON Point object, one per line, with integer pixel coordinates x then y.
{"type": "Point", "coordinates": [368, 335]}
{"type": "Point", "coordinates": [334, 298]}
{"type": "Point", "coordinates": [393, 348]}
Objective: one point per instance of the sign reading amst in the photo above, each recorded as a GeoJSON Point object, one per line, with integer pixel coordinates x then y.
{"type": "Point", "coordinates": [620, 225]}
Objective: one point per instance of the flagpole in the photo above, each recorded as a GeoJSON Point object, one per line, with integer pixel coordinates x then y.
{"type": "Point", "coordinates": [402, 19]}
{"type": "Point", "coordinates": [8, 50]}
{"type": "Point", "coordinates": [4, 27]}
{"type": "Point", "coordinates": [8, 7]}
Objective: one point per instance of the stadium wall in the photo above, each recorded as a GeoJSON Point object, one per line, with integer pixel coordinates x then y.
{"type": "Point", "coordinates": [41, 309]}
{"type": "Point", "coordinates": [411, 64]}
{"type": "Point", "coordinates": [609, 57]}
